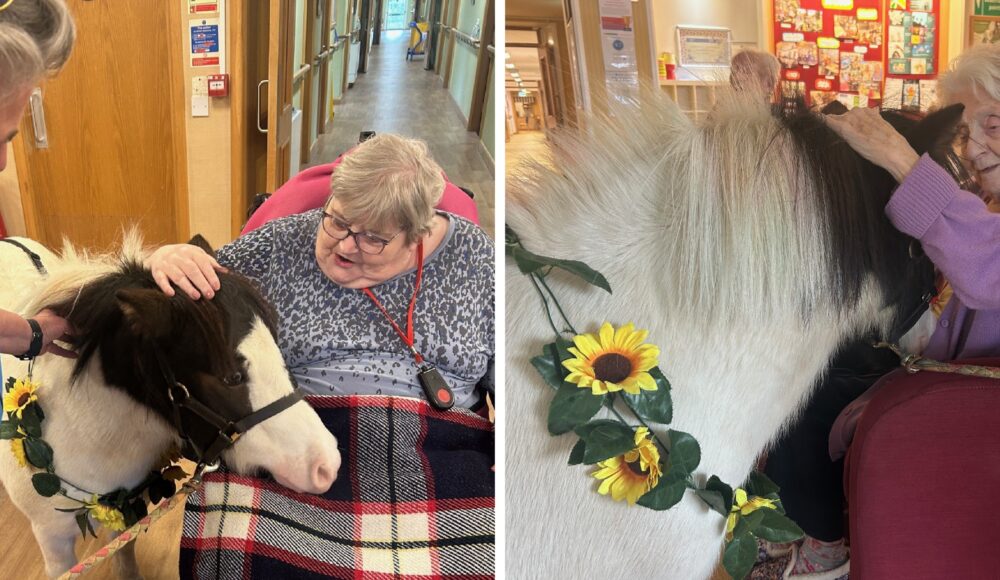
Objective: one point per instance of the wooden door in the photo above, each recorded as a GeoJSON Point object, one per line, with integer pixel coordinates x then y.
{"type": "Point", "coordinates": [281, 50]}
{"type": "Point", "coordinates": [113, 119]}
{"type": "Point", "coordinates": [324, 61]}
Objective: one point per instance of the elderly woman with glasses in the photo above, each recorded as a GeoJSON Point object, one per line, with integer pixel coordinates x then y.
{"type": "Point", "coordinates": [962, 237]}
{"type": "Point", "coordinates": [376, 293]}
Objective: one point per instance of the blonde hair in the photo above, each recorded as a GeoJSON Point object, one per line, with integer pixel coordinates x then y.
{"type": "Point", "coordinates": [36, 38]}
{"type": "Point", "coordinates": [389, 181]}
{"type": "Point", "coordinates": [976, 70]}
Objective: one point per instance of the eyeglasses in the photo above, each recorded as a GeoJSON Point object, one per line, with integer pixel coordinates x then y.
{"type": "Point", "coordinates": [338, 229]}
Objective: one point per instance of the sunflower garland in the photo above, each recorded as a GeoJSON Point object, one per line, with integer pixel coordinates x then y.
{"type": "Point", "coordinates": [116, 510]}
{"type": "Point", "coordinates": [616, 370]}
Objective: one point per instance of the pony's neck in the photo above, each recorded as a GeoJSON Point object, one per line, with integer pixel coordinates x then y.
{"type": "Point", "coordinates": [101, 437]}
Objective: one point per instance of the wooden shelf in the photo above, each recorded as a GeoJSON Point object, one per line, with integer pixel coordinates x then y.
{"type": "Point", "coordinates": [696, 98]}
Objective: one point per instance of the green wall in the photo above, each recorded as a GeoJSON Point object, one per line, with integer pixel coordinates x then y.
{"type": "Point", "coordinates": [489, 122]}
{"type": "Point", "coordinates": [463, 67]}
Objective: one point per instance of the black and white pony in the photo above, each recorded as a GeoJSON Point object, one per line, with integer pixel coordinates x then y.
{"type": "Point", "coordinates": [109, 416]}
{"type": "Point", "coordinates": [751, 246]}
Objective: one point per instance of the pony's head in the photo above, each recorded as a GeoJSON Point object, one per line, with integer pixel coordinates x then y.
{"type": "Point", "coordinates": [201, 365]}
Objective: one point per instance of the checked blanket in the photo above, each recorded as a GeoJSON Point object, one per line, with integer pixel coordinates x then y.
{"type": "Point", "coordinates": [413, 500]}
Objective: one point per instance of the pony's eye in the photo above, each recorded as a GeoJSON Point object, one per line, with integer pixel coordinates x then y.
{"type": "Point", "coordinates": [233, 380]}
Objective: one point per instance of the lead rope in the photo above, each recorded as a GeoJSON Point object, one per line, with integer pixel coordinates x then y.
{"type": "Point", "coordinates": [915, 363]}
{"type": "Point", "coordinates": [121, 540]}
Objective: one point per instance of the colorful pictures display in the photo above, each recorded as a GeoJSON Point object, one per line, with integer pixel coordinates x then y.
{"type": "Point", "coordinates": [845, 27]}
{"type": "Point", "coordinates": [846, 52]}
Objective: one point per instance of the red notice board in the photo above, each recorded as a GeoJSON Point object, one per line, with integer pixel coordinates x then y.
{"type": "Point", "coordinates": [845, 49]}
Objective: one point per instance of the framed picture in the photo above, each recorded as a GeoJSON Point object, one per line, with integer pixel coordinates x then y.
{"type": "Point", "coordinates": [984, 30]}
{"type": "Point", "coordinates": [704, 46]}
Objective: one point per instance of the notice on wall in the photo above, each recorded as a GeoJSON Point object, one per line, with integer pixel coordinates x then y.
{"type": "Point", "coordinates": [203, 6]}
{"type": "Point", "coordinates": [987, 7]}
{"type": "Point", "coordinates": [618, 42]}
{"type": "Point", "coordinates": [204, 42]}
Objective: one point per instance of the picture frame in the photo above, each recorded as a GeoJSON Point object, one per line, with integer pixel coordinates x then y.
{"type": "Point", "coordinates": [704, 46]}
{"type": "Point", "coordinates": [983, 30]}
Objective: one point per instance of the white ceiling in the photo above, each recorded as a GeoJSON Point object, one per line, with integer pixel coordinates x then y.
{"type": "Point", "coordinates": [525, 61]}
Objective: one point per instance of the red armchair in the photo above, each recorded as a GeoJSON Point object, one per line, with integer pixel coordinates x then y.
{"type": "Point", "coordinates": [922, 477]}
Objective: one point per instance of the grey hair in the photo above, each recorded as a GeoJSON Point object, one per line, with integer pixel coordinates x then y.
{"type": "Point", "coordinates": [36, 38]}
{"type": "Point", "coordinates": [976, 70]}
{"type": "Point", "coordinates": [389, 182]}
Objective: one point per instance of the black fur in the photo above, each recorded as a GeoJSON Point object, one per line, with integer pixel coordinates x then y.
{"type": "Point", "coordinates": [853, 196]}
{"type": "Point", "coordinates": [124, 320]}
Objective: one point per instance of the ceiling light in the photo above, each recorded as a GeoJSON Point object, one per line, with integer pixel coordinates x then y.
{"type": "Point", "coordinates": [506, 55]}
{"type": "Point", "coordinates": [510, 65]}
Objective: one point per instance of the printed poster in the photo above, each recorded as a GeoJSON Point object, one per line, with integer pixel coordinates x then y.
{"type": "Point", "coordinates": [845, 27]}
{"type": "Point", "coordinates": [820, 99]}
{"type": "Point", "coordinates": [788, 54]}
{"type": "Point", "coordinates": [911, 95]}
{"type": "Point", "coordinates": [807, 53]}
{"type": "Point", "coordinates": [204, 42]}
{"type": "Point", "coordinates": [829, 62]}
{"type": "Point", "coordinates": [851, 71]}
{"type": "Point", "coordinates": [986, 8]}
{"type": "Point", "coordinates": [928, 94]}
{"type": "Point", "coordinates": [893, 98]}
{"type": "Point", "coordinates": [786, 11]}
{"type": "Point", "coordinates": [618, 42]}
{"type": "Point", "coordinates": [809, 20]}
{"type": "Point", "coordinates": [852, 101]}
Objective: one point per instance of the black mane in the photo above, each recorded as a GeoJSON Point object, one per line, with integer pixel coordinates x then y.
{"type": "Point", "coordinates": [853, 194]}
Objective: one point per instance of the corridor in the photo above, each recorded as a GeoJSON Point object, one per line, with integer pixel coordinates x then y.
{"type": "Point", "coordinates": [399, 96]}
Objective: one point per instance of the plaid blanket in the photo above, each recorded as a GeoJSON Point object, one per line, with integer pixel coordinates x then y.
{"type": "Point", "coordinates": [413, 500]}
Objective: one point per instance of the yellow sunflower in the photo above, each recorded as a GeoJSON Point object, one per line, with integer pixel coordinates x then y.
{"type": "Point", "coordinates": [108, 517]}
{"type": "Point", "coordinates": [613, 360]}
{"type": "Point", "coordinates": [20, 396]}
{"type": "Point", "coordinates": [17, 448]}
{"type": "Point", "coordinates": [742, 506]}
{"type": "Point", "coordinates": [632, 474]}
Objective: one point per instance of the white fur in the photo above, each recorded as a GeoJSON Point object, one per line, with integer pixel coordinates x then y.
{"type": "Point", "coordinates": [711, 239]}
{"type": "Point", "coordinates": [103, 440]}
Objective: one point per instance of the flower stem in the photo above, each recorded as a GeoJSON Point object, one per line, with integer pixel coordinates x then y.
{"type": "Point", "coordinates": [556, 302]}
{"type": "Point", "coordinates": [545, 302]}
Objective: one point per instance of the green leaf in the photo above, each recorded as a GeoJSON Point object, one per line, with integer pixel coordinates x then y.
{"type": "Point", "coordinates": [605, 438]}
{"type": "Point", "coordinates": [685, 453]}
{"type": "Point", "coordinates": [717, 485]}
{"type": "Point", "coordinates": [8, 430]}
{"type": "Point", "coordinates": [748, 524]}
{"type": "Point", "coordinates": [572, 407]}
{"type": "Point", "coordinates": [665, 495]}
{"type": "Point", "coordinates": [38, 453]}
{"type": "Point", "coordinates": [714, 500]}
{"type": "Point", "coordinates": [550, 366]}
{"type": "Point", "coordinates": [528, 262]}
{"type": "Point", "coordinates": [31, 420]}
{"type": "Point", "coordinates": [46, 484]}
{"type": "Point", "coordinates": [576, 455]}
{"type": "Point", "coordinates": [84, 523]}
{"type": "Point", "coordinates": [776, 527]}
{"type": "Point", "coordinates": [655, 405]}
{"type": "Point", "coordinates": [740, 556]}
{"type": "Point", "coordinates": [759, 484]}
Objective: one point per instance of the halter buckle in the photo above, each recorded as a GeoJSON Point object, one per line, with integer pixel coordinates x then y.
{"type": "Point", "coordinates": [170, 393]}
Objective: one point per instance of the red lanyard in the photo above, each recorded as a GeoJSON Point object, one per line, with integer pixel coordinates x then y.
{"type": "Point", "coordinates": [408, 336]}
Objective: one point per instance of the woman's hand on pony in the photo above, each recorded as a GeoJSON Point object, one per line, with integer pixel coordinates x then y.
{"type": "Point", "coordinates": [188, 267]}
{"type": "Point", "coordinates": [875, 139]}
{"type": "Point", "coordinates": [54, 328]}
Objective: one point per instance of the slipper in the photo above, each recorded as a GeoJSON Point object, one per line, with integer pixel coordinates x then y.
{"type": "Point", "coordinates": [834, 574]}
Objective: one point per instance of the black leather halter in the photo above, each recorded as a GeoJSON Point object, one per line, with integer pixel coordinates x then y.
{"type": "Point", "coordinates": [227, 432]}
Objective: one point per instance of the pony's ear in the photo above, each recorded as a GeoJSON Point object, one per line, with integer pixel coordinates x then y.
{"type": "Point", "coordinates": [146, 311]}
{"type": "Point", "coordinates": [202, 243]}
{"type": "Point", "coordinates": [936, 132]}
{"type": "Point", "coordinates": [834, 108]}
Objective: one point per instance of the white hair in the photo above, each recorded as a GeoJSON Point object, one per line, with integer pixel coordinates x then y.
{"type": "Point", "coordinates": [976, 70]}
{"type": "Point", "coordinates": [389, 182]}
{"type": "Point", "coordinates": [36, 38]}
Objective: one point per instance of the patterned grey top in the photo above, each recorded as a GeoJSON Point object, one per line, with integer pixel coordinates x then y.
{"type": "Point", "coordinates": [334, 339]}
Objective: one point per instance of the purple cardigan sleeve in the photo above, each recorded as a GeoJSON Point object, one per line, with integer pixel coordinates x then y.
{"type": "Point", "coordinates": [956, 230]}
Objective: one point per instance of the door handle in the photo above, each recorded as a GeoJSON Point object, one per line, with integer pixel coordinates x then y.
{"type": "Point", "coordinates": [38, 120]}
{"type": "Point", "coordinates": [259, 85]}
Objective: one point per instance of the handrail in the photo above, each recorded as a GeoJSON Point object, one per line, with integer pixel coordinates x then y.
{"type": "Point", "coordinates": [341, 41]}
{"type": "Point", "coordinates": [301, 73]}
{"type": "Point", "coordinates": [490, 49]}
{"type": "Point", "coordinates": [466, 39]}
